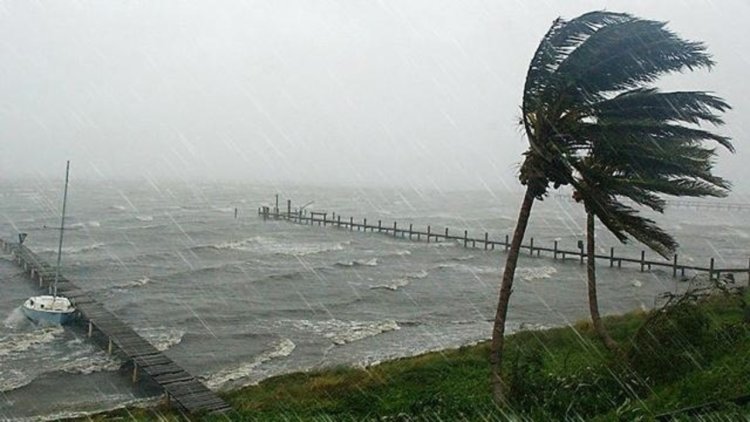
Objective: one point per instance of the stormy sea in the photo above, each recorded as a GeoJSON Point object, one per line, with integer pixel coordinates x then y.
{"type": "Point", "coordinates": [235, 300]}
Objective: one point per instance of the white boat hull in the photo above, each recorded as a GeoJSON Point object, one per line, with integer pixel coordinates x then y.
{"type": "Point", "coordinates": [48, 309]}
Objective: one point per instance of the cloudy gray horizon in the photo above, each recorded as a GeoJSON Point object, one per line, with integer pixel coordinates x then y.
{"type": "Point", "coordinates": [350, 92]}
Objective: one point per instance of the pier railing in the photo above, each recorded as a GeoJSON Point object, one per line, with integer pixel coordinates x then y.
{"type": "Point", "coordinates": [489, 244]}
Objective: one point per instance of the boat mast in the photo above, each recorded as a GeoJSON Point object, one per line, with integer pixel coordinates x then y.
{"type": "Point", "coordinates": [62, 229]}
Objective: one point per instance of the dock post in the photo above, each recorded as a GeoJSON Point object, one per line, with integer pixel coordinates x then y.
{"type": "Point", "coordinates": [611, 257]}
{"type": "Point", "coordinates": [276, 209]}
{"type": "Point", "coordinates": [466, 238]}
{"type": "Point", "coordinates": [394, 229]}
{"type": "Point", "coordinates": [674, 266]}
{"type": "Point", "coordinates": [531, 247]}
{"type": "Point", "coordinates": [288, 208]}
{"type": "Point", "coordinates": [109, 346]}
{"type": "Point", "coordinates": [351, 223]}
{"type": "Point", "coordinates": [507, 245]}
{"type": "Point", "coordinates": [428, 241]}
{"type": "Point", "coordinates": [135, 372]}
{"type": "Point", "coordinates": [486, 238]}
{"type": "Point", "coordinates": [554, 250]}
{"type": "Point", "coordinates": [643, 259]}
{"type": "Point", "coordinates": [446, 234]}
{"type": "Point", "coordinates": [338, 221]}
{"type": "Point", "coordinates": [325, 218]}
{"type": "Point", "coordinates": [380, 225]}
{"type": "Point", "coordinates": [580, 248]}
{"type": "Point", "coordinates": [364, 225]}
{"type": "Point", "coordinates": [91, 329]}
{"type": "Point", "coordinates": [410, 230]}
{"type": "Point", "coordinates": [711, 270]}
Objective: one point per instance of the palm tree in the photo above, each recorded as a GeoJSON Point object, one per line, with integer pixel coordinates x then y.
{"type": "Point", "coordinates": [579, 70]}
{"type": "Point", "coordinates": [640, 167]}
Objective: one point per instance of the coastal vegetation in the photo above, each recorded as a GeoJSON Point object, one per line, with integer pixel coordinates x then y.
{"type": "Point", "coordinates": [695, 350]}
{"type": "Point", "coordinates": [594, 122]}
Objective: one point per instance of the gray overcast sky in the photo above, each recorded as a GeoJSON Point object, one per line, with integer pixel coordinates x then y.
{"type": "Point", "coordinates": [394, 92]}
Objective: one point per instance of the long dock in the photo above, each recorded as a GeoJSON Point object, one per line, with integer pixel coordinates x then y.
{"type": "Point", "coordinates": [486, 243]}
{"type": "Point", "coordinates": [181, 388]}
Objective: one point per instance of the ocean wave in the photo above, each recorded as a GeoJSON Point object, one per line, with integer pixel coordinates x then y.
{"type": "Point", "coordinates": [31, 354]}
{"type": "Point", "coordinates": [132, 283]}
{"type": "Point", "coordinates": [15, 343]}
{"type": "Point", "coordinates": [162, 338]}
{"type": "Point", "coordinates": [536, 273]}
{"type": "Point", "coordinates": [144, 218]}
{"type": "Point", "coordinates": [117, 207]}
{"type": "Point", "coordinates": [342, 332]}
{"type": "Point", "coordinates": [457, 266]}
{"type": "Point", "coordinates": [372, 262]}
{"type": "Point", "coordinates": [401, 282]}
{"type": "Point", "coordinates": [72, 250]}
{"type": "Point", "coordinates": [264, 244]}
{"type": "Point", "coordinates": [94, 224]}
{"type": "Point", "coordinates": [283, 348]}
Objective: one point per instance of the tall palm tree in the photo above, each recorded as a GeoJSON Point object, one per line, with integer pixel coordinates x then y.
{"type": "Point", "coordinates": [641, 167]}
{"type": "Point", "coordinates": [576, 75]}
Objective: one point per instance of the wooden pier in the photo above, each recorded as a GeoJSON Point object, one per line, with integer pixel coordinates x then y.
{"type": "Point", "coordinates": [181, 388]}
{"type": "Point", "coordinates": [486, 243]}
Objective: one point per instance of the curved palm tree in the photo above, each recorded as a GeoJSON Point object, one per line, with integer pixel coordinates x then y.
{"type": "Point", "coordinates": [577, 83]}
{"type": "Point", "coordinates": [639, 167]}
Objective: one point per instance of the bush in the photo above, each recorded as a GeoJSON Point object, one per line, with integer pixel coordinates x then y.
{"type": "Point", "coordinates": [672, 341]}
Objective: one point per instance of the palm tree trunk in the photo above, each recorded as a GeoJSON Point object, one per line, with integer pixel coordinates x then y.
{"type": "Point", "coordinates": [596, 319]}
{"type": "Point", "coordinates": [498, 329]}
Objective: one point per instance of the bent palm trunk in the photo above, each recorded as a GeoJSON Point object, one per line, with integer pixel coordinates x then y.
{"type": "Point", "coordinates": [596, 319]}
{"type": "Point", "coordinates": [498, 330]}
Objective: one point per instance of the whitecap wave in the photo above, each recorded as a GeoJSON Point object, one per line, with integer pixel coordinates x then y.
{"type": "Point", "coordinates": [15, 343]}
{"type": "Point", "coordinates": [94, 224]}
{"type": "Point", "coordinates": [372, 262]}
{"type": "Point", "coordinates": [72, 250]}
{"type": "Point", "coordinates": [133, 283]}
{"type": "Point", "coordinates": [401, 282]}
{"type": "Point", "coordinates": [536, 273]}
{"type": "Point", "coordinates": [264, 244]}
{"type": "Point", "coordinates": [162, 338]}
{"type": "Point", "coordinates": [283, 348]}
{"type": "Point", "coordinates": [144, 218]}
{"type": "Point", "coordinates": [342, 332]}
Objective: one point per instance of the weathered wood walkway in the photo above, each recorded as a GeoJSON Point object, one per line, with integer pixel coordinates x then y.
{"type": "Point", "coordinates": [180, 387]}
{"type": "Point", "coordinates": [396, 230]}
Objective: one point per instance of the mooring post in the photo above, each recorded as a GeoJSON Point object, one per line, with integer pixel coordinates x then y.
{"type": "Point", "coordinates": [351, 223]}
{"type": "Point", "coordinates": [276, 208]}
{"type": "Point", "coordinates": [394, 229]}
{"type": "Point", "coordinates": [364, 225]}
{"type": "Point", "coordinates": [446, 234]}
{"type": "Point", "coordinates": [554, 250]}
{"type": "Point", "coordinates": [466, 238]}
{"type": "Point", "coordinates": [288, 208]}
{"type": "Point", "coordinates": [674, 266]}
{"type": "Point", "coordinates": [580, 249]}
{"type": "Point", "coordinates": [643, 259]}
{"type": "Point", "coordinates": [380, 226]}
{"type": "Point", "coordinates": [91, 328]}
{"type": "Point", "coordinates": [428, 241]}
{"type": "Point", "coordinates": [325, 217]}
{"type": "Point", "coordinates": [507, 245]}
{"type": "Point", "coordinates": [611, 257]}
{"type": "Point", "coordinates": [486, 238]}
{"type": "Point", "coordinates": [338, 220]}
{"type": "Point", "coordinates": [410, 230]}
{"type": "Point", "coordinates": [711, 270]}
{"type": "Point", "coordinates": [531, 247]}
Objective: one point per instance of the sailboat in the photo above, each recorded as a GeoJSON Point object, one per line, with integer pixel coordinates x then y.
{"type": "Point", "coordinates": [52, 308]}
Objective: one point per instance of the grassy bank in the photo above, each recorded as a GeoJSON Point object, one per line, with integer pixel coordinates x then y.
{"type": "Point", "coordinates": [692, 354]}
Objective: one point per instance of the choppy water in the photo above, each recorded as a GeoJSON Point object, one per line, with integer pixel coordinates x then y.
{"type": "Point", "coordinates": [236, 301]}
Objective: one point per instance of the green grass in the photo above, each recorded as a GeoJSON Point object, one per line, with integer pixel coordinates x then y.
{"type": "Point", "coordinates": [560, 373]}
